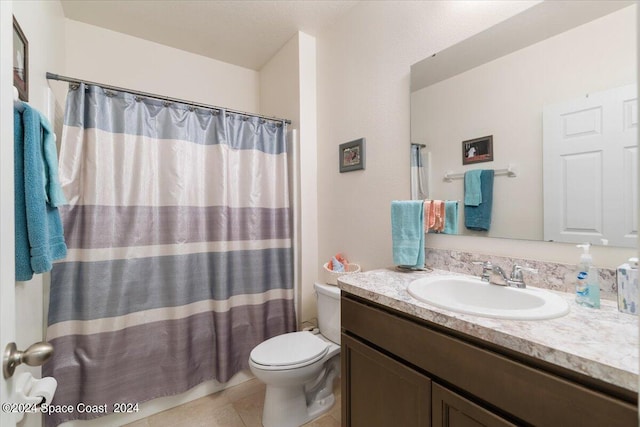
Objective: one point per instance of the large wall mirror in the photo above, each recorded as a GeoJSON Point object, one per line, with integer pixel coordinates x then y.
{"type": "Point", "coordinates": [555, 88]}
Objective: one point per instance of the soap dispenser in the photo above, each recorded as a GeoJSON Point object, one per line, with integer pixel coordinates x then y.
{"type": "Point", "coordinates": [582, 289]}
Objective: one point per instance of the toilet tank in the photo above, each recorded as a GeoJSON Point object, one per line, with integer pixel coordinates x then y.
{"type": "Point", "coordinates": [329, 311]}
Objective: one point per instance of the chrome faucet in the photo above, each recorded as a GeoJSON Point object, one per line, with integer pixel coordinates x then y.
{"type": "Point", "coordinates": [515, 280]}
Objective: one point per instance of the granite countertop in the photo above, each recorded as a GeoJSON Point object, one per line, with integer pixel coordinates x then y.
{"type": "Point", "coordinates": [601, 343]}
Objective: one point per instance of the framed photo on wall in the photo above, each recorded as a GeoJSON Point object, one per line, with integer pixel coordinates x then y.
{"type": "Point", "coordinates": [20, 61]}
{"type": "Point", "coordinates": [477, 150]}
{"type": "Point", "coordinates": [352, 155]}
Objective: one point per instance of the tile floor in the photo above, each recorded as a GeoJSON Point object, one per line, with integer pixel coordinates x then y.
{"type": "Point", "coordinates": [239, 406]}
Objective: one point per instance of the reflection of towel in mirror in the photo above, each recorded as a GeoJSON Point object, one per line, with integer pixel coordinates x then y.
{"type": "Point", "coordinates": [450, 217]}
{"type": "Point", "coordinates": [472, 188]}
{"type": "Point", "coordinates": [479, 217]}
{"type": "Point", "coordinates": [407, 232]}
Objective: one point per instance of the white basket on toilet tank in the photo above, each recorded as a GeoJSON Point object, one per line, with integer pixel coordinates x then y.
{"type": "Point", "coordinates": [331, 277]}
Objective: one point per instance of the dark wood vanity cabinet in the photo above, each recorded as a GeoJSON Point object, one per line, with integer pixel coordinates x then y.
{"type": "Point", "coordinates": [401, 371]}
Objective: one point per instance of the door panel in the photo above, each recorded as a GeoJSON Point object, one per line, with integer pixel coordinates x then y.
{"type": "Point", "coordinates": [630, 193]}
{"type": "Point", "coordinates": [581, 192]}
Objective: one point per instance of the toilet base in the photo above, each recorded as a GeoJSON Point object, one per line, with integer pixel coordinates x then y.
{"type": "Point", "coordinates": [293, 406]}
{"type": "Point", "coordinates": [321, 406]}
{"type": "Point", "coordinates": [287, 407]}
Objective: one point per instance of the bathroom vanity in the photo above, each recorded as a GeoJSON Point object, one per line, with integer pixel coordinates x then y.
{"type": "Point", "coordinates": [406, 363]}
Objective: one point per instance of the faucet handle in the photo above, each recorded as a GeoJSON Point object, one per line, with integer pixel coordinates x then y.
{"type": "Point", "coordinates": [483, 263]}
{"type": "Point", "coordinates": [516, 272]}
{"type": "Point", "coordinates": [487, 268]}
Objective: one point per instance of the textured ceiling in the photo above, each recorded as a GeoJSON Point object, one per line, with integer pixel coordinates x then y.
{"type": "Point", "coordinates": [242, 32]}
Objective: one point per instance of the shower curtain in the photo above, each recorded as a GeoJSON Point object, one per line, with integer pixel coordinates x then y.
{"type": "Point", "coordinates": [180, 254]}
{"type": "Point", "coordinates": [418, 176]}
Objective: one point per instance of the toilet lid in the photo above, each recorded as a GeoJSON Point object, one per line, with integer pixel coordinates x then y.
{"type": "Point", "coordinates": [289, 349]}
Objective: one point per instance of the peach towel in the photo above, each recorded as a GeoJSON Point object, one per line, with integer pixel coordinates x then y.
{"type": "Point", "coordinates": [438, 207]}
{"type": "Point", "coordinates": [429, 215]}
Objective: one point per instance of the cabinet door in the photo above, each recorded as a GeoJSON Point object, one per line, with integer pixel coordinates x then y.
{"type": "Point", "coordinates": [452, 410]}
{"type": "Point", "coordinates": [378, 391]}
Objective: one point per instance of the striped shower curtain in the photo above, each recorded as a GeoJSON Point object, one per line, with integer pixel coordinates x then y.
{"type": "Point", "coordinates": [180, 251]}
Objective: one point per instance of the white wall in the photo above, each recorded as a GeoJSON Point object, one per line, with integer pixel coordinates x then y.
{"type": "Point", "coordinates": [108, 57]}
{"type": "Point", "coordinates": [43, 25]}
{"type": "Point", "coordinates": [280, 84]}
{"type": "Point", "coordinates": [308, 171]}
{"type": "Point", "coordinates": [363, 91]}
{"type": "Point", "coordinates": [506, 97]}
{"type": "Point", "coordinates": [288, 90]}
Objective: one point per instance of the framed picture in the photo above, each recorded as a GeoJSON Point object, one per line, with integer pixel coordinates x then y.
{"type": "Point", "coordinates": [477, 150]}
{"type": "Point", "coordinates": [352, 155]}
{"type": "Point", "coordinates": [20, 61]}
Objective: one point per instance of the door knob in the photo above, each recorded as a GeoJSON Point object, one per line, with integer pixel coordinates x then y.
{"type": "Point", "coordinates": [35, 355]}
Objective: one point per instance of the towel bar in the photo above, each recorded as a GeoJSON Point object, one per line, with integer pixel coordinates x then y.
{"type": "Point", "coordinates": [510, 171]}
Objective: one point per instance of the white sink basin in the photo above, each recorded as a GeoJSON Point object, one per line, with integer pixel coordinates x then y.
{"type": "Point", "coordinates": [473, 296]}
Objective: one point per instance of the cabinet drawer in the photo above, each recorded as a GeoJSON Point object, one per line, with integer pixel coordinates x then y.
{"type": "Point", "coordinates": [529, 394]}
{"type": "Point", "coordinates": [378, 391]}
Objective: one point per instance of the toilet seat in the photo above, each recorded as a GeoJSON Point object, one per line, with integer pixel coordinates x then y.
{"type": "Point", "coordinates": [289, 351]}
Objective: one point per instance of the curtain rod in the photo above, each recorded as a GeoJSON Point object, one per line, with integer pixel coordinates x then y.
{"type": "Point", "coordinates": [52, 76]}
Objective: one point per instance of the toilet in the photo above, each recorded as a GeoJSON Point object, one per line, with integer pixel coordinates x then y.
{"type": "Point", "coordinates": [298, 368]}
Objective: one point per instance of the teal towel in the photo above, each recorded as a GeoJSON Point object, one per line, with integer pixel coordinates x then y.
{"type": "Point", "coordinates": [450, 217]}
{"type": "Point", "coordinates": [479, 217]}
{"type": "Point", "coordinates": [38, 230]}
{"type": "Point", "coordinates": [472, 188]}
{"type": "Point", "coordinates": [407, 232]}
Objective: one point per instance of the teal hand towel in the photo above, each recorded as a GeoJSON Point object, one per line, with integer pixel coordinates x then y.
{"type": "Point", "coordinates": [39, 238]}
{"type": "Point", "coordinates": [407, 232]}
{"type": "Point", "coordinates": [450, 217]}
{"type": "Point", "coordinates": [472, 188]}
{"type": "Point", "coordinates": [479, 217]}
{"type": "Point", "coordinates": [23, 261]}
